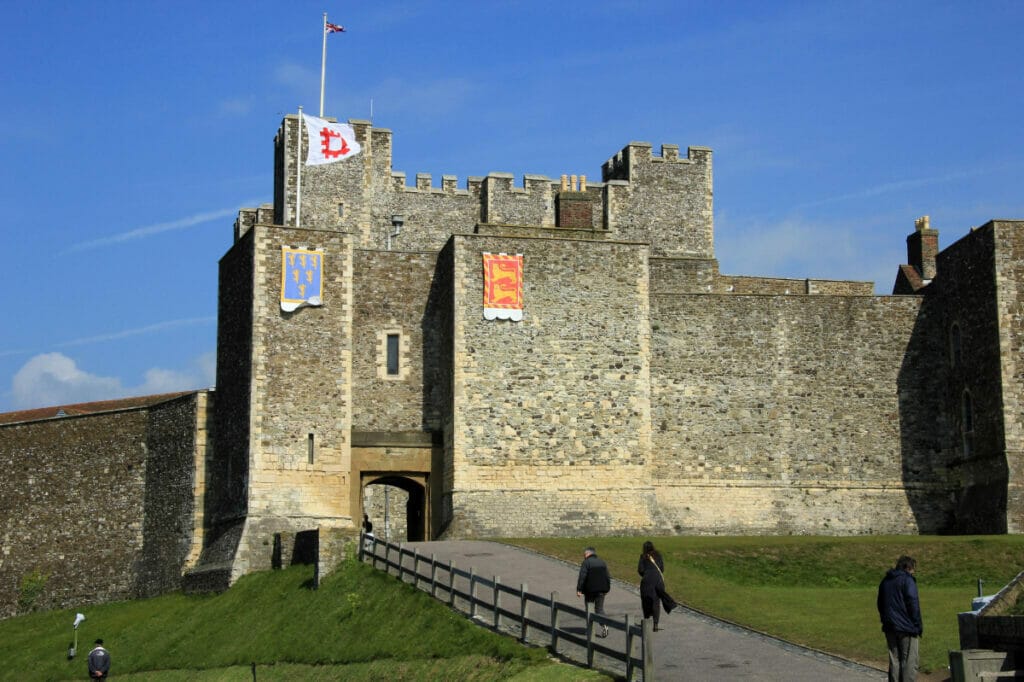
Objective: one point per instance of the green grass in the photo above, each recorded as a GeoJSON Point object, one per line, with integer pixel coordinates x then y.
{"type": "Point", "coordinates": [818, 591]}
{"type": "Point", "coordinates": [360, 625]}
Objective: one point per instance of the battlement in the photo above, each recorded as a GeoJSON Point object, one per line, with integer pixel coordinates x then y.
{"type": "Point", "coordinates": [623, 164]}
{"type": "Point", "coordinates": [664, 200]}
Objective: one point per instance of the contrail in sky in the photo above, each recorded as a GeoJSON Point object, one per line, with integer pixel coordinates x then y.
{"type": "Point", "coordinates": [138, 331]}
{"type": "Point", "coordinates": [150, 230]}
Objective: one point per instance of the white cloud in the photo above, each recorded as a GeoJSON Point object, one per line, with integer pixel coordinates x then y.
{"type": "Point", "coordinates": [55, 379]}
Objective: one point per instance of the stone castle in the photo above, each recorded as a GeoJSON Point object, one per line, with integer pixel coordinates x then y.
{"type": "Point", "coordinates": [625, 385]}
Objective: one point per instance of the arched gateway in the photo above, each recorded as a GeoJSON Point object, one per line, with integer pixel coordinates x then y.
{"type": "Point", "coordinates": [398, 479]}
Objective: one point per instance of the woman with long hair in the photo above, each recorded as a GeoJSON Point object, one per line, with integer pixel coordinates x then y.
{"type": "Point", "coordinates": [652, 584]}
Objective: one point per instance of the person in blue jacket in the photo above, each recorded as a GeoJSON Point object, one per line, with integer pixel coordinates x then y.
{"type": "Point", "coordinates": [900, 611]}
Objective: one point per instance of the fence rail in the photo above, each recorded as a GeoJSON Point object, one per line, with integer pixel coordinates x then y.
{"type": "Point", "coordinates": [567, 630]}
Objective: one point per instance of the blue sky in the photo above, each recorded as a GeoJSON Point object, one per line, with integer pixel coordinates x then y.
{"type": "Point", "coordinates": [133, 131]}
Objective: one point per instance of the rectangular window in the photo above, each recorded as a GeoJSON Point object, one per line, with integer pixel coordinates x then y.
{"type": "Point", "coordinates": [309, 448]}
{"type": "Point", "coordinates": [392, 350]}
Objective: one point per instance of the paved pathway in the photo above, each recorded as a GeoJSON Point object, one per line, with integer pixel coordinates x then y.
{"type": "Point", "coordinates": [689, 647]}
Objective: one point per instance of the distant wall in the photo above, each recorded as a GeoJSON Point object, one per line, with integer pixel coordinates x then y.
{"type": "Point", "coordinates": [102, 503]}
{"type": "Point", "coordinates": [781, 414]}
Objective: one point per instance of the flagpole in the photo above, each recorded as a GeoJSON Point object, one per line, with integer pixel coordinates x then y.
{"type": "Point", "coordinates": [298, 169]}
{"type": "Point", "coordinates": [323, 66]}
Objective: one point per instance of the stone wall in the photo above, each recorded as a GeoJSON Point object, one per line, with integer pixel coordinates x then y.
{"type": "Point", "coordinates": [783, 414]}
{"type": "Point", "coordinates": [965, 289]}
{"type": "Point", "coordinates": [664, 200]}
{"type": "Point", "coordinates": [102, 504]}
{"type": "Point", "coordinates": [175, 443]}
{"type": "Point", "coordinates": [1009, 243]}
{"type": "Point", "coordinates": [301, 414]}
{"type": "Point", "coordinates": [394, 287]}
{"type": "Point", "coordinates": [551, 414]}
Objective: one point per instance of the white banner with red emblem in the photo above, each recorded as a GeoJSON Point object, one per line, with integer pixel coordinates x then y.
{"type": "Point", "coordinates": [329, 142]}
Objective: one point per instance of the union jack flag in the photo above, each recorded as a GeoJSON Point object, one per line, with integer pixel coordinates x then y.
{"type": "Point", "coordinates": [334, 28]}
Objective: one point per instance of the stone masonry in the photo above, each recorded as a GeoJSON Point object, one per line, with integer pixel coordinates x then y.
{"type": "Point", "coordinates": [641, 392]}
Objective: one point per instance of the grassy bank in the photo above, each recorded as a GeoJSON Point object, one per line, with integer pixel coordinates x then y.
{"type": "Point", "coordinates": [817, 591]}
{"type": "Point", "coordinates": [360, 625]}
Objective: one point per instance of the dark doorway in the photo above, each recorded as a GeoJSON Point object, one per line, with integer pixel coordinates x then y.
{"type": "Point", "coordinates": [389, 511]}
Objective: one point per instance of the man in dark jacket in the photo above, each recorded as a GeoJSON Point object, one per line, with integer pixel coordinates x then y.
{"type": "Point", "coordinates": [99, 662]}
{"type": "Point", "coordinates": [900, 611]}
{"type": "Point", "coordinates": [594, 583]}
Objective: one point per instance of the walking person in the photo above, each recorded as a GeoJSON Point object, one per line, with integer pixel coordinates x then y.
{"type": "Point", "coordinates": [653, 595]}
{"type": "Point", "coordinates": [99, 662]}
{"type": "Point", "coordinates": [594, 583]}
{"type": "Point", "coordinates": [900, 611]}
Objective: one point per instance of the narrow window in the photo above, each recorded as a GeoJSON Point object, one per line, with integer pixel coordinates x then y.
{"type": "Point", "coordinates": [310, 447]}
{"type": "Point", "coordinates": [341, 210]}
{"type": "Point", "coordinates": [954, 345]}
{"type": "Point", "coordinates": [392, 359]}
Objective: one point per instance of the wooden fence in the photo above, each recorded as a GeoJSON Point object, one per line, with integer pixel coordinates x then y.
{"type": "Point", "coordinates": [568, 631]}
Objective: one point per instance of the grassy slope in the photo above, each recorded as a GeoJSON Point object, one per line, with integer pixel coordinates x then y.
{"type": "Point", "coordinates": [818, 591]}
{"type": "Point", "coordinates": [359, 618]}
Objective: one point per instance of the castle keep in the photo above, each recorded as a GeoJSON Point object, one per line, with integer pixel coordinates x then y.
{"type": "Point", "coordinates": [640, 391]}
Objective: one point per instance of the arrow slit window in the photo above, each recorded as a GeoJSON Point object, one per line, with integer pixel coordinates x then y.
{"type": "Point", "coordinates": [392, 355]}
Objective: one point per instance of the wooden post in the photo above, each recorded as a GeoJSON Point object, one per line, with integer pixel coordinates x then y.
{"type": "Point", "coordinates": [451, 583]}
{"type": "Point", "coordinates": [433, 575]}
{"type": "Point", "coordinates": [416, 567]}
{"type": "Point", "coordinates": [524, 607]}
{"type": "Point", "coordinates": [401, 560]}
{"type": "Point", "coordinates": [497, 601]}
{"type": "Point", "coordinates": [472, 592]}
{"type": "Point", "coordinates": [629, 650]}
{"type": "Point", "coordinates": [362, 538]}
{"type": "Point", "coordinates": [554, 623]}
{"type": "Point", "coordinates": [647, 642]}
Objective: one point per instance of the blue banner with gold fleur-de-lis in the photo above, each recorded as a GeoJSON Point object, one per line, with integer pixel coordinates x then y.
{"type": "Point", "coordinates": [302, 273]}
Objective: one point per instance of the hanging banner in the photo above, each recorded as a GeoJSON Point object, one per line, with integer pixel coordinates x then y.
{"type": "Point", "coordinates": [503, 287]}
{"type": "Point", "coordinates": [301, 277]}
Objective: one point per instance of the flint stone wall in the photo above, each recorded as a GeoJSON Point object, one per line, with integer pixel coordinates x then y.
{"type": "Point", "coordinates": [102, 504]}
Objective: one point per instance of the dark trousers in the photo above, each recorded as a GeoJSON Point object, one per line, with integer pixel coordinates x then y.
{"type": "Point", "coordinates": [652, 605]}
{"type": "Point", "coordinates": [597, 599]}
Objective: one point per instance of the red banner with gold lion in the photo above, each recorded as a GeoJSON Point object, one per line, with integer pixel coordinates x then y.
{"type": "Point", "coordinates": [503, 286]}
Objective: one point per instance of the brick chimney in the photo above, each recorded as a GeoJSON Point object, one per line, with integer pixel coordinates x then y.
{"type": "Point", "coordinates": [923, 247]}
{"type": "Point", "coordinates": [573, 207]}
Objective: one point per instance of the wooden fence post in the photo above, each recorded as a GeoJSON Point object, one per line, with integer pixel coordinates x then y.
{"type": "Point", "coordinates": [524, 606]}
{"type": "Point", "coordinates": [554, 623]}
{"type": "Point", "coordinates": [416, 567]}
{"type": "Point", "coordinates": [629, 650]}
{"type": "Point", "coordinates": [647, 640]}
{"type": "Point", "coordinates": [472, 591]}
{"type": "Point", "coordinates": [497, 601]}
{"type": "Point", "coordinates": [433, 575]}
{"type": "Point", "coordinates": [451, 583]}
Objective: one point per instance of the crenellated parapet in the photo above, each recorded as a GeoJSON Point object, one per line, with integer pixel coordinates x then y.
{"type": "Point", "coordinates": [664, 200]}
